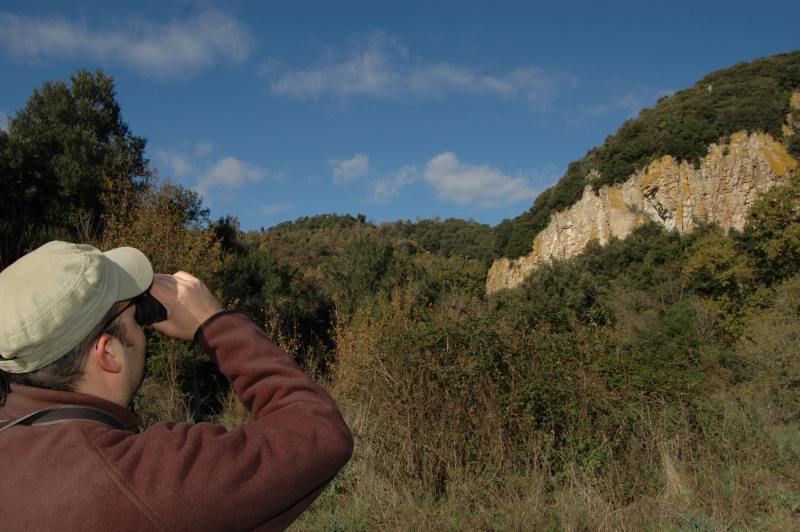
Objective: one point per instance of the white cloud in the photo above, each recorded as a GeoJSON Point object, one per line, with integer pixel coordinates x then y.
{"type": "Point", "coordinates": [177, 162]}
{"type": "Point", "coordinates": [348, 170]}
{"type": "Point", "coordinates": [267, 67]}
{"type": "Point", "coordinates": [201, 149]}
{"type": "Point", "coordinates": [378, 66]}
{"type": "Point", "coordinates": [276, 208]}
{"type": "Point", "coordinates": [385, 189]}
{"type": "Point", "coordinates": [224, 175]}
{"type": "Point", "coordinates": [482, 186]}
{"type": "Point", "coordinates": [368, 71]}
{"type": "Point", "coordinates": [3, 121]}
{"type": "Point", "coordinates": [229, 172]}
{"type": "Point", "coordinates": [175, 49]}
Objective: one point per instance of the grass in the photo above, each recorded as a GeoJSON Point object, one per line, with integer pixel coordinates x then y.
{"type": "Point", "coordinates": [689, 485]}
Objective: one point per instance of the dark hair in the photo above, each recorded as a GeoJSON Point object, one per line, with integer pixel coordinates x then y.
{"type": "Point", "coordinates": [64, 373]}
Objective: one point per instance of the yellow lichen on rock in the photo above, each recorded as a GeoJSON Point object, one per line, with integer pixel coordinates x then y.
{"type": "Point", "coordinates": [701, 211]}
{"type": "Point", "coordinates": [779, 159]}
{"type": "Point", "coordinates": [615, 199]}
{"type": "Point", "coordinates": [536, 249]}
{"type": "Point", "coordinates": [739, 137]}
{"type": "Point", "coordinates": [659, 167]}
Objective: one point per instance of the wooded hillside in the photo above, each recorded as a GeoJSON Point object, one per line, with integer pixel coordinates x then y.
{"type": "Point", "coordinates": [752, 96]}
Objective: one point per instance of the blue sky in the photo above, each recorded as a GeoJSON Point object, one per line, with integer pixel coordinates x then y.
{"type": "Point", "coordinates": [398, 110]}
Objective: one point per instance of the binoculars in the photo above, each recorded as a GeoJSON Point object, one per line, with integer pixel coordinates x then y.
{"type": "Point", "coordinates": [149, 310]}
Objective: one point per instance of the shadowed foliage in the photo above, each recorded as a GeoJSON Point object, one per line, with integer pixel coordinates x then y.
{"type": "Point", "coordinates": [56, 160]}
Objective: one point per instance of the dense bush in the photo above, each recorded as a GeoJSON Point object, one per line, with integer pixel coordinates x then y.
{"type": "Point", "coordinates": [451, 237]}
{"type": "Point", "coordinates": [605, 371]}
{"type": "Point", "coordinates": [772, 233]}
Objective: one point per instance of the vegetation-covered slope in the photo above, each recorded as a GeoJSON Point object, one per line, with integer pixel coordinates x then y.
{"type": "Point", "coordinates": [752, 96]}
{"type": "Point", "coordinates": [647, 384]}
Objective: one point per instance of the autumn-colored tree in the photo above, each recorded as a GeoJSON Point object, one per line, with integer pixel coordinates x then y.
{"type": "Point", "coordinates": [167, 223]}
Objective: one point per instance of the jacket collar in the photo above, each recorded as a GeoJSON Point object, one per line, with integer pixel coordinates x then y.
{"type": "Point", "coordinates": [26, 399]}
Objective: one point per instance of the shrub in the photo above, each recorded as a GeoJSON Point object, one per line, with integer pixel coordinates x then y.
{"type": "Point", "coordinates": [772, 233]}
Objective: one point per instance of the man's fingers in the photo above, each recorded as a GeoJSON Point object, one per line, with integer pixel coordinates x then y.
{"type": "Point", "coordinates": [164, 279]}
{"type": "Point", "coordinates": [167, 328]}
{"type": "Point", "coordinates": [189, 303]}
{"type": "Point", "coordinates": [165, 288]}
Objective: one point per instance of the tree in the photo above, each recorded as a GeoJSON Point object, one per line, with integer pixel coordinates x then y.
{"type": "Point", "coordinates": [772, 233]}
{"type": "Point", "coordinates": [358, 270]}
{"type": "Point", "coordinates": [715, 267]}
{"type": "Point", "coordinates": [61, 152]}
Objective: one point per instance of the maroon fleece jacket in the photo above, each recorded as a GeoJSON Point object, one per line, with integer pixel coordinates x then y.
{"type": "Point", "coordinates": [82, 475]}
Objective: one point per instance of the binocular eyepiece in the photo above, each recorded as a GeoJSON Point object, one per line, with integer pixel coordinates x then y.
{"type": "Point", "coordinates": [149, 310]}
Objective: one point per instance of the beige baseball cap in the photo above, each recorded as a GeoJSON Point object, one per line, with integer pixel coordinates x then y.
{"type": "Point", "coordinates": [54, 296]}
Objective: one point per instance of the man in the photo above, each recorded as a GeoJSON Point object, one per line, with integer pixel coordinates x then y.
{"type": "Point", "coordinates": [69, 336]}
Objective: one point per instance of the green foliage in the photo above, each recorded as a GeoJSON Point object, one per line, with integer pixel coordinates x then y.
{"type": "Point", "coordinates": [586, 288]}
{"type": "Point", "coordinates": [358, 271]}
{"type": "Point", "coordinates": [766, 358]}
{"type": "Point", "coordinates": [286, 297]}
{"type": "Point", "coordinates": [255, 284]}
{"type": "Point", "coordinates": [56, 159]}
{"type": "Point", "coordinates": [772, 233]}
{"type": "Point", "coordinates": [715, 267]}
{"type": "Point", "coordinates": [793, 142]}
{"type": "Point", "coordinates": [751, 96]}
{"type": "Point", "coordinates": [451, 237]}
{"type": "Point", "coordinates": [369, 266]}
{"type": "Point", "coordinates": [321, 222]}
{"type": "Point", "coordinates": [664, 361]}
{"type": "Point", "coordinates": [448, 238]}
{"type": "Point", "coordinates": [574, 367]}
{"type": "Point", "coordinates": [453, 275]}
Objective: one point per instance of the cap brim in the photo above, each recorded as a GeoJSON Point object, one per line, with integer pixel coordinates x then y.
{"type": "Point", "coordinates": [134, 269]}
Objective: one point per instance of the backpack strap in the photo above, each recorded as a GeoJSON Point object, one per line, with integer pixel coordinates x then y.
{"type": "Point", "coordinates": [62, 414]}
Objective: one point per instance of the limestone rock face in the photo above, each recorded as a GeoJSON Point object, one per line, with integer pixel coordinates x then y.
{"type": "Point", "coordinates": [672, 193]}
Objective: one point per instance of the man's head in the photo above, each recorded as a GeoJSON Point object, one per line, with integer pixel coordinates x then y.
{"type": "Point", "coordinates": [61, 317]}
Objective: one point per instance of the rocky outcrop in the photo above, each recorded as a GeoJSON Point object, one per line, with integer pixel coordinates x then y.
{"type": "Point", "coordinates": [673, 193]}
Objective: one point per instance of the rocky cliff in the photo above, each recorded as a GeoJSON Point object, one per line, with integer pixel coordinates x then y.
{"type": "Point", "coordinates": [675, 194]}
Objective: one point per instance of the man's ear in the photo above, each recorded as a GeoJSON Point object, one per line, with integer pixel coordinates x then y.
{"type": "Point", "coordinates": [106, 353]}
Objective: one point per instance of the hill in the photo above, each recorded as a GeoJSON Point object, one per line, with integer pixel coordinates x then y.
{"type": "Point", "coordinates": [753, 96]}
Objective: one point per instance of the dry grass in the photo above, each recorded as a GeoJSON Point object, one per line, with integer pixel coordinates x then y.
{"type": "Point", "coordinates": [689, 486]}
{"type": "Point", "coordinates": [737, 470]}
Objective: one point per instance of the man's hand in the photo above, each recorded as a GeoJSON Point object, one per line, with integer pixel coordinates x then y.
{"type": "Point", "coordinates": [188, 301]}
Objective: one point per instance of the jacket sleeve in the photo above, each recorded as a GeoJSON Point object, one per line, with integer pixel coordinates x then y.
{"type": "Point", "coordinates": [260, 475]}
